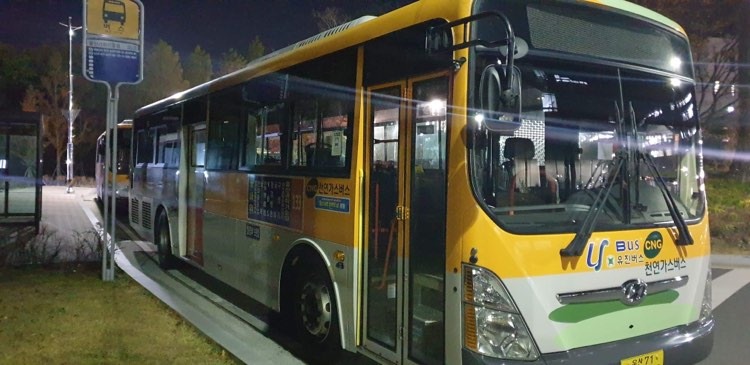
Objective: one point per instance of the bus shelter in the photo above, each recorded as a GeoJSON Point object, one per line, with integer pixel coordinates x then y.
{"type": "Point", "coordinates": [20, 169]}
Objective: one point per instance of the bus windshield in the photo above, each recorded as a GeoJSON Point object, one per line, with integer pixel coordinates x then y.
{"type": "Point", "coordinates": [123, 152]}
{"type": "Point", "coordinates": [584, 30]}
{"type": "Point", "coordinates": [575, 120]}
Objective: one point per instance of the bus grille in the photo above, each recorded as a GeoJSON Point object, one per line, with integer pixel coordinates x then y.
{"type": "Point", "coordinates": [146, 215]}
{"type": "Point", "coordinates": [134, 211]}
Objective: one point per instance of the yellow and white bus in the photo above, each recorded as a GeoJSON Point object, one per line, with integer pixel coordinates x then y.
{"type": "Point", "coordinates": [407, 188]}
{"type": "Point", "coordinates": [121, 162]}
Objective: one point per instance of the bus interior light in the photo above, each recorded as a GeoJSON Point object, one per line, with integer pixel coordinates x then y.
{"type": "Point", "coordinates": [479, 118]}
{"type": "Point", "coordinates": [432, 109]}
{"type": "Point", "coordinates": [675, 62]}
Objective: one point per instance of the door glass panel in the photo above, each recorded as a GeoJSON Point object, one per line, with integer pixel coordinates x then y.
{"type": "Point", "coordinates": [382, 259]}
{"type": "Point", "coordinates": [21, 166]}
{"type": "Point", "coordinates": [427, 222]}
{"type": "Point", "coordinates": [4, 181]}
{"type": "Point", "coordinates": [196, 182]}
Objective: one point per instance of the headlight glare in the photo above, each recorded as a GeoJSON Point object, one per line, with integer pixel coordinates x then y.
{"type": "Point", "coordinates": [493, 325]}
{"type": "Point", "coordinates": [706, 306]}
{"type": "Point", "coordinates": [489, 291]}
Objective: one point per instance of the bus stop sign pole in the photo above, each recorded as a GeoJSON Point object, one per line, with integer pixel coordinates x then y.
{"type": "Point", "coordinates": [112, 55]}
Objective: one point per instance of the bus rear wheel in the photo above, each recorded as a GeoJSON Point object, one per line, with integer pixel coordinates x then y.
{"type": "Point", "coordinates": [164, 243]}
{"type": "Point", "coordinates": [314, 310]}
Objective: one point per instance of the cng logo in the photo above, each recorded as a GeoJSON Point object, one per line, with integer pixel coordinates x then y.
{"type": "Point", "coordinates": [652, 246]}
{"type": "Point", "coordinates": [312, 188]}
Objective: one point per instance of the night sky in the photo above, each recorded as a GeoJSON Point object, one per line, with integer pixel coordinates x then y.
{"type": "Point", "coordinates": [215, 25]}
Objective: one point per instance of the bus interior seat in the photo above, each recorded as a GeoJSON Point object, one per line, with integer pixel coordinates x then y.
{"type": "Point", "coordinates": [524, 168]}
{"type": "Point", "coordinates": [321, 155]}
{"type": "Point", "coordinates": [562, 164]}
{"type": "Point", "coordinates": [522, 171]}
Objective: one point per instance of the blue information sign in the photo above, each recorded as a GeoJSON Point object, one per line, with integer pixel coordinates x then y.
{"type": "Point", "coordinates": [113, 61]}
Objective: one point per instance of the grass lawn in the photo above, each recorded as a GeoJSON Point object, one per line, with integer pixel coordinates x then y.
{"type": "Point", "coordinates": [73, 317]}
{"type": "Point", "coordinates": [729, 215]}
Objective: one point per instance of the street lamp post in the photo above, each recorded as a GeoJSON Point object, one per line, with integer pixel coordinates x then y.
{"type": "Point", "coordinates": [71, 113]}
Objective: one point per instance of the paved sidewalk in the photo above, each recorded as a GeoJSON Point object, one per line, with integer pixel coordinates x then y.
{"type": "Point", "coordinates": [65, 222]}
{"type": "Point", "coordinates": [62, 212]}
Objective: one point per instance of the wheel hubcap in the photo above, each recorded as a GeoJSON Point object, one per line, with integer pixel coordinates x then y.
{"type": "Point", "coordinates": [315, 305]}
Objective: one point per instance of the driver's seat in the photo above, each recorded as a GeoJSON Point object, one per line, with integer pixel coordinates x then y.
{"type": "Point", "coordinates": [522, 167]}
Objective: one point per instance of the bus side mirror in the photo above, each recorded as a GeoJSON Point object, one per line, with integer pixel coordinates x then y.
{"type": "Point", "coordinates": [500, 98]}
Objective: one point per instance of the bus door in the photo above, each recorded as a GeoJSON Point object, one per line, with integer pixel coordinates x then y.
{"type": "Point", "coordinates": [405, 262]}
{"type": "Point", "coordinates": [195, 187]}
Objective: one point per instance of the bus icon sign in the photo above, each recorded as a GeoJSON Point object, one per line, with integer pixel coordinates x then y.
{"type": "Point", "coordinates": [121, 19]}
{"type": "Point", "coordinates": [113, 41]}
{"type": "Point", "coordinates": [113, 10]}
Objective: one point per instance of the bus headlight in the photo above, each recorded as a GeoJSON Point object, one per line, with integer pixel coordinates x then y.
{"type": "Point", "coordinates": [122, 189]}
{"type": "Point", "coordinates": [493, 325]}
{"type": "Point", "coordinates": [706, 306]}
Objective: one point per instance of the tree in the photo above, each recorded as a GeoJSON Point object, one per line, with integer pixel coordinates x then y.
{"type": "Point", "coordinates": [329, 17]}
{"type": "Point", "coordinates": [714, 38]}
{"type": "Point", "coordinates": [231, 61]}
{"type": "Point", "coordinates": [15, 75]}
{"type": "Point", "coordinates": [256, 49]}
{"type": "Point", "coordinates": [50, 99]}
{"type": "Point", "coordinates": [162, 76]}
{"type": "Point", "coordinates": [198, 67]}
{"type": "Point", "coordinates": [741, 165]}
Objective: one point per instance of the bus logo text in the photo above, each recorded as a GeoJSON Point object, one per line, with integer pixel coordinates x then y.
{"type": "Point", "coordinates": [598, 264]}
{"type": "Point", "coordinates": [627, 245]}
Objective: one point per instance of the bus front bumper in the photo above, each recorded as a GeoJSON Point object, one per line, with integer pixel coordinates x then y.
{"type": "Point", "coordinates": [687, 344]}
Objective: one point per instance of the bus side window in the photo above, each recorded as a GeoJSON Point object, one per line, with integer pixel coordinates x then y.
{"type": "Point", "coordinates": [250, 149]}
{"type": "Point", "coordinates": [320, 128]}
{"type": "Point", "coordinates": [335, 126]}
{"type": "Point", "coordinates": [145, 147]}
{"type": "Point", "coordinates": [222, 145]}
{"type": "Point", "coordinates": [224, 119]}
{"type": "Point", "coordinates": [305, 149]}
{"type": "Point", "coordinates": [269, 134]}
{"type": "Point", "coordinates": [100, 149]}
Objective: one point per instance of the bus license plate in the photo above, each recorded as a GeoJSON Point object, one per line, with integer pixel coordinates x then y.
{"type": "Point", "coordinates": [651, 358]}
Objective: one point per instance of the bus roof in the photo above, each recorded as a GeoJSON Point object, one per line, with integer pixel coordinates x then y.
{"type": "Point", "coordinates": [334, 39]}
{"type": "Point", "coordinates": [367, 28]}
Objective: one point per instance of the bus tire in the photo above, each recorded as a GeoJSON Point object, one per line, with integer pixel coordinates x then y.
{"type": "Point", "coordinates": [163, 243]}
{"type": "Point", "coordinates": [314, 310]}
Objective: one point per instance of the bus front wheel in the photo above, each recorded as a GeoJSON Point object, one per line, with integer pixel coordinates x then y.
{"type": "Point", "coordinates": [164, 243]}
{"type": "Point", "coordinates": [314, 307]}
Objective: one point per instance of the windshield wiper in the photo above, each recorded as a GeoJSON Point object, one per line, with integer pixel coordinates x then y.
{"type": "Point", "coordinates": [575, 247]}
{"type": "Point", "coordinates": [683, 237]}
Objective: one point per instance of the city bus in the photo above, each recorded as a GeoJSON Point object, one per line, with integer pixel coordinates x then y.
{"type": "Point", "coordinates": [121, 161]}
{"type": "Point", "coordinates": [460, 182]}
